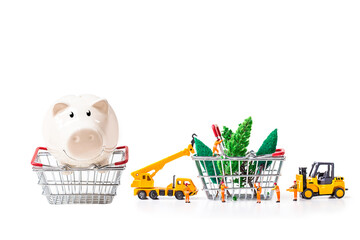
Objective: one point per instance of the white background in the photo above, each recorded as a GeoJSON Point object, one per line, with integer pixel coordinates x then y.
{"type": "Point", "coordinates": [172, 68]}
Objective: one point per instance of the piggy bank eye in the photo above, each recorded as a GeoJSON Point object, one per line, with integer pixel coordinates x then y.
{"type": "Point", "coordinates": [71, 114]}
{"type": "Point", "coordinates": [88, 113]}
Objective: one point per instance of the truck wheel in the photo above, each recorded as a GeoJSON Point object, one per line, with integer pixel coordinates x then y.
{"type": "Point", "coordinates": [307, 193]}
{"type": "Point", "coordinates": [142, 195]}
{"type": "Point", "coordinates": [179, 195]}
{"type": "Point", "coordinates": [153, 195]}
{"type": "Point", "coordinates": [339, 193]}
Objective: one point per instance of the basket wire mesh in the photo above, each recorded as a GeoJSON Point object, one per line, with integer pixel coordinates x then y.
{"type": "Point", "coordinates": [244, 172]}
{"type": "Point", "coordinates": [63, 185]}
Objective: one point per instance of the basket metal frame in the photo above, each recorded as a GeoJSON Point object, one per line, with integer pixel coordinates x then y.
{"type": "Point", "coordinates": [265, 176]}
{"type": "Point", "coordinates": [65, 185]}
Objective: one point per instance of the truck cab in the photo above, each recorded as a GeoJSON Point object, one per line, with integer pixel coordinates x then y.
{"type": "Point", "coordinates": [179, 185]}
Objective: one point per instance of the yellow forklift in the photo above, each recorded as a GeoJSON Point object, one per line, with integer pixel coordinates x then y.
{"type": "Point", "coordinates": [321, 181]}
{"type": "Point", "coordinates": [144, 182]}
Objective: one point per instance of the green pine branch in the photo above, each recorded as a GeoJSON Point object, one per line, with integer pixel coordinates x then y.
{"type": "Point", "coordinates": [236, 146]}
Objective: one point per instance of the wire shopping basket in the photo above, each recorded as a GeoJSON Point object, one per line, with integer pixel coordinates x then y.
{"type": "Point", "coordinates": [240, 174]}
{"type": "Point", "coordinates": [62, 185]}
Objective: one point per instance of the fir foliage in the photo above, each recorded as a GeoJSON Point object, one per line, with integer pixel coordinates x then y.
{"type": "Point", "coordinates": [204, 151]}
{"type": "Point", "coordinates": [201, 149]}
{"type": "Point", "coordinates": [239, 141]}
{"type": "Point", "coordinates": [236, 146]}
{"type": "Point", "coordinates": [226, 134]}
{"type": "Point", "coordinates": [268, 146]}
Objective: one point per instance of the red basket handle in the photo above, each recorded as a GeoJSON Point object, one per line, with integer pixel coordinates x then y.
{"type": "Point", "coordinates": [216, 130]}
{"type": "Point", "coordinates": [36, 164]}
{"type": "Point", "coordinates": [279, 152]}
{"type": "Point", "coordinates": [126, 156]}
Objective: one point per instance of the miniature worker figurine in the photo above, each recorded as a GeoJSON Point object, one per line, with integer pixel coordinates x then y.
{"type": "Point", "coordinates": [258, 193]}
{"type": "Point", "coordinates": [277, 190]}
{"type": "Point", "coordinates": [216, 144]}
{"type": "Point", "coordinates": [223, 191]}
{"type": "Point", "coordinates": [294, 187]}
{"type": "Point", "coordinates": [187, 193]}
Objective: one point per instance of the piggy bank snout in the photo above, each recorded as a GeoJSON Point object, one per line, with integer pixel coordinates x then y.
{"type": "Point", "coordinates": [84, 144]}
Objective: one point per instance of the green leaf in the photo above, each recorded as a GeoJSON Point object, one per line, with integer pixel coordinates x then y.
{"type": "Point", "coordinates": [209, 166]}
{"type": "Point", "coordinates": [202, 149]}
{"type": "Point", "coordinates": [268, 147]}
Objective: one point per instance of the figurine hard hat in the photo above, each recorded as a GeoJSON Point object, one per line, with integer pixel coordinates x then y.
{"type": "Point", "coordinates": [275, 183]}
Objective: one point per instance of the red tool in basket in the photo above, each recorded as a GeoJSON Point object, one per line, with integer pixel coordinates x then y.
{"type": "Point", "coordinates": [218, 136]}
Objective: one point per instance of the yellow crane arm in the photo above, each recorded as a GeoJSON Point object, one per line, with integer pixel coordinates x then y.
{"type": "Point", "coordinates": [160, 164]}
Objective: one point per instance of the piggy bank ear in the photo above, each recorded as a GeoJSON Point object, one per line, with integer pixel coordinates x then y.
{"type": "Point", "coordinates": [102, 105]}
{"type": "Point", "coordinates": [59, 107]}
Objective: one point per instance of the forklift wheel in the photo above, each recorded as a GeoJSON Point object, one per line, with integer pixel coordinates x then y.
{"type": "Point", "coordinates": [339, 193]}
{"type": "Point", "coordinates": [307, 193]}
{"type": "Point", "coordinates": [179, 195]}
{"type": "Point", "coordinates": [153, 195]}
{"type": "Point", "coordinates": [142, 195]}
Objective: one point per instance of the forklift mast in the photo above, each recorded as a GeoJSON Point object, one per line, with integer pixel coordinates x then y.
{"type": "Point", "coordinates": [302, 171]}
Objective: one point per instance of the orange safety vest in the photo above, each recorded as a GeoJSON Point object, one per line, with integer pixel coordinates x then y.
{"type": "Point", "coordinates": [217, 142]}
{"type": "Point", "coordinates": [276, 188]}
{"type": "Point", "coordinates": [223, 187]}
{"type": "Point", "coordinates": [258, 190]}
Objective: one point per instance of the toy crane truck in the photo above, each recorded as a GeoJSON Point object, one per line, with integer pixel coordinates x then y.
{"type": "Point", "coordinates": [320, 183]}
{"type": "Point", "coordinates": [144, 180]}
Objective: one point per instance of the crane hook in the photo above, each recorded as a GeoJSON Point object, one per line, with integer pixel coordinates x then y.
{"type": "Point", "coordinates": [193, 140]}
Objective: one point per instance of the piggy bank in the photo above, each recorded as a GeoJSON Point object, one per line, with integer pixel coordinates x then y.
{"type": "Point", "coordinates": [81, 131]}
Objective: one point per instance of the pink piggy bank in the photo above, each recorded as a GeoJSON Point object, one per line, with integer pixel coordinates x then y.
{"type": "Point", "coordinates": [80, 131]}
